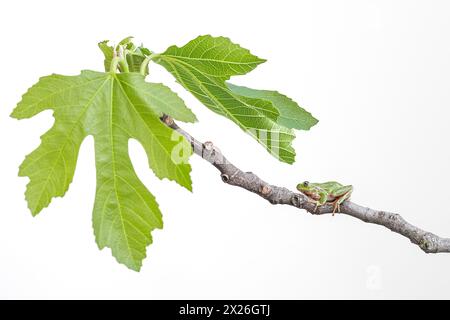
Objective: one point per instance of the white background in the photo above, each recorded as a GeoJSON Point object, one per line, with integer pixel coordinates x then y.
{"type": "Point", "coordinates": [376, 74]}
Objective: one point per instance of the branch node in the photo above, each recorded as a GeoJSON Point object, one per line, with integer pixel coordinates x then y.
{"type": "Point", "coordinates": [168, 120]}
{"type": "Point", "coordinates": [296, 200]}
{"type": "Point", "coordinates": [428, 243]}
{"type": "Point", "coordinates": [265, 190]}
{"type": "Point", "coordinates": [208, 145]}
{"type": "Point", "coordinates": [225, 177]}
{"type": "Point", "coordinates": [424, 245]}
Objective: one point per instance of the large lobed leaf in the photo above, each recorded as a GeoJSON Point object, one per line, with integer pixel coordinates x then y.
{"type": "Point", "coordinates": [113, 108]}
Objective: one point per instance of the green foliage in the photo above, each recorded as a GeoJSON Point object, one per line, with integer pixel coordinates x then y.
{"type": "Point", "coordinates": [115, 107]}
{"type": "Point", "coordinates": [291, 115]}
{"type": "Point", "coordinates": [112, 108]}
{"type": "Point", "coordinates": [203, 65]}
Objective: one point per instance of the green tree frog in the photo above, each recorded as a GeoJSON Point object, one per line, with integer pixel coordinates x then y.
{"type": "Point", "coordinates": [327, 192]}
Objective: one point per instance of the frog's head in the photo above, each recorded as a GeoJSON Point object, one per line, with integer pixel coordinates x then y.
{"type": "Point", "coordinates": [309, 189]}
{"type": "Point", "coordinates": [305, 187]}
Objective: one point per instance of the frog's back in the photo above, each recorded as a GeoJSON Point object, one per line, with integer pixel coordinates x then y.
{"type": "Point", "coordinates": [330, 184]}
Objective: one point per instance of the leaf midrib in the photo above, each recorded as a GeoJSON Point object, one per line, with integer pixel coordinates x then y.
{"type": "Point", "coordinates": [113, 155]}
{"type": "Point", "coordinates": [212, 60]}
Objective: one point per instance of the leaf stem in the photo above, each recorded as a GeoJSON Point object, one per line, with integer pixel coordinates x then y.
{"type": "Point", "coordinates": [114, 63]}
{"type": "Point", "coordinates": [146, 61]}
{"type": "Point", "coordinates": [119, 61]}
{"type": "Point", "coordinates": [123, 65]}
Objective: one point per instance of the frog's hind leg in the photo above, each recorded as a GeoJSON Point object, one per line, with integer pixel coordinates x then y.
{"type": "Point", "coordinates": [336, 206]}
{"type": "Point", "coordinates": [341, 199]}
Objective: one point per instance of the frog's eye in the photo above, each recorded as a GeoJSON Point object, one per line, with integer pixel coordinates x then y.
{"type": "Point", "coordinates": [306, 183]}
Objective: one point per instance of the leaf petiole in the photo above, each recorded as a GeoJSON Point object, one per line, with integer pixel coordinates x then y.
{"type": "Point", "coordinates": [146, 61]}
{"type": "Point", "coordinates": [123, 65]}
{"type": "Point", "coordinates": [114, 63]}
{"type": "Point", "coordinates": [119, 61]}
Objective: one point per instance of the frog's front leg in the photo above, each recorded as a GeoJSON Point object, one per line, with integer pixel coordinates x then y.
{"type": "Point", "coordinates": [323, 197]}
{"type": "Point", "coordinates": [343, 193]}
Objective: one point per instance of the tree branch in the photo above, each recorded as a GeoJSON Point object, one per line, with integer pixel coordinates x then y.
{"type": "Point", "coordinates": [230, 174]}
